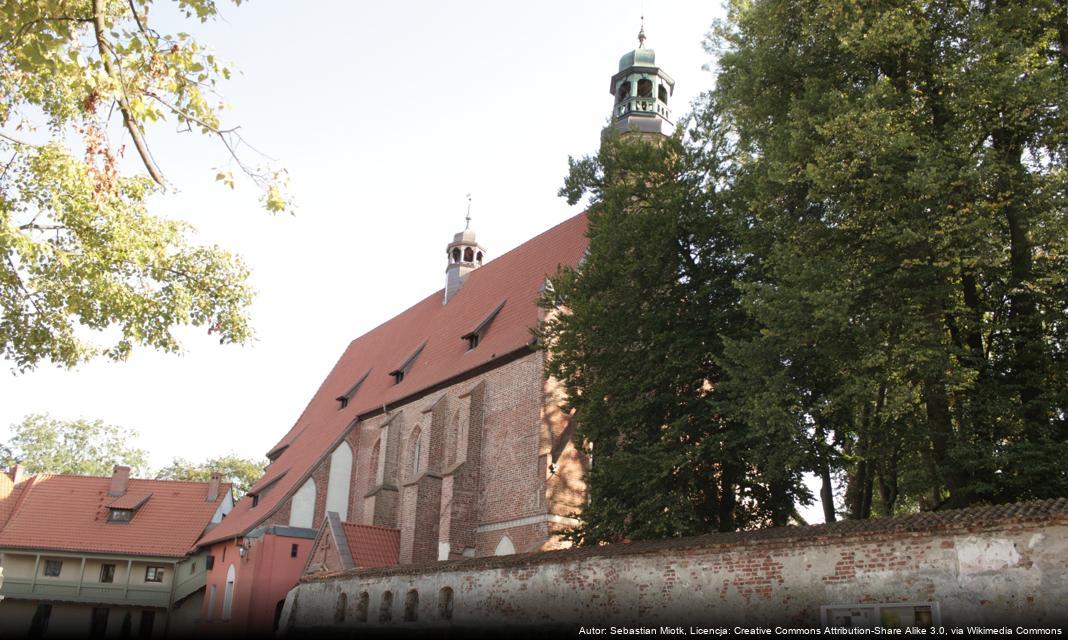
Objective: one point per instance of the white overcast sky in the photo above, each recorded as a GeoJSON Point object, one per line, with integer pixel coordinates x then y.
{"type": "Point", "coordinates": [386, 114]}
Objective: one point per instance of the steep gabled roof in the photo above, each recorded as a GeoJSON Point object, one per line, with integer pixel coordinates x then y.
{"type": "Point", "coordinates": [517, 276]}
{"type": "Point", "coordinates": [70, 513]}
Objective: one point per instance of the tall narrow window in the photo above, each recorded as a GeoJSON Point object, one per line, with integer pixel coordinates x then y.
{"type": "Point", "coordinates": [445, 603]}
{"type": "Point", "coordinates": [414, 452]}
{"type": "Point", "coordinates": [385, 610]}
{"type": "Point", "coordinates": [361, 606]}
{"type": "Point", "coordinates": [645, 88]}
{"type": "Point", "coordinates": [98, 623]}
{"type": "Point", "coordinates": [148, 620]}
{"type": "Point", "coordinates": [52, 568]}
{"type": "Point", "coordinates": [342, 605]}
{"type": "Point", "coordinates": [411, 606]}
{"type": "Point", "coordinates": [228, 594]}
{"type": "Point", "coordinates": [107, 573]}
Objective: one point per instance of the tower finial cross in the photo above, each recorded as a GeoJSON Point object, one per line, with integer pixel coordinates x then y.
{"type": "Point", "coordinates": [468, 217]}
{"type": "Point", "coordinates": [641, 34]}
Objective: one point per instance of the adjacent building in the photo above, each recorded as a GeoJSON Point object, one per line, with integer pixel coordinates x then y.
{"type": "Point", "coordinates": [96, 556]}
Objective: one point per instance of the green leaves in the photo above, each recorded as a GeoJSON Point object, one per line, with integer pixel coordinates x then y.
{"type": "Point", "coordinates": [242, 472]}
{"type": "Point", "coordinates": [80, 254]}
{"type": "Point", "coordinates": [43, 444]}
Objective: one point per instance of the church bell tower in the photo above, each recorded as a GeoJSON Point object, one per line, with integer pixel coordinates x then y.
{"type": "Point", "coordinates": [642, 91]}
{"type": "Point", "coordinates": [465, 255]}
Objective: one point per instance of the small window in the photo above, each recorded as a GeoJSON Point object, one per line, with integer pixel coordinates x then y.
{"type": "Point", "coordinates": [107, 573]}
{"type": "Point", "coordinates": [255, 499]}
{"type": "Point", "coordinates": [624, 91]}
{"type": "Point", "coordinates": [645, 88]}
{"type": "Point", "coordinates": [209, 563]}
{"type": "Point", "coordinates": [293, 550]}
{"type": "Point", "coordinates": [445, 603]}
{"type": "Point", "coordinates": [52, 568]}
{"type": "Point", "coordinates": [472, 341]}
{"type": "Point", "coordinates": [411, 606]}
{"type": "Point", "coordinates": [397, 377]}
{"type": "Point", "coordinates": [662, 93]}
{"type": "Point", "coordinates": [192, 567]}
{"type": "Point", "coordinates": [154, 574]}
{"type": "Point", "coordinates": [342, 402]}
{"type": "Point", "coordinates": [469, 255]}
{"type": "Point", "coordinates": [385, 610]}
{"type": "Point", "coordinates": [120, 515]}
{"type": "Point", "coordinates": [456, 254]}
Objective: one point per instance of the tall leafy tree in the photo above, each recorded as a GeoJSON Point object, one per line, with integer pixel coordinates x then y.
{"type": "Point", "coordinates": [80, 253]}
{"type": "Point", "coordinates": [635, 333]}
{"type": "Point", "coordinates": [241, 472]}
{"type": "Point", "coordinates": [901, 184]}
{"type": "Point", "coordinates": [43, 444]}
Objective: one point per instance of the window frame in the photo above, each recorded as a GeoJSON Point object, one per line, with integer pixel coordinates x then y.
{"type": "Point", "coordinates": [107, 570]}
{"type": "Point", "coordinates": [51, 564]}
{"type": "Point", "coordinates": [156, 572]}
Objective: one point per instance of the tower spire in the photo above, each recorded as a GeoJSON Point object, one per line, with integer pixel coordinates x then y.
{"type": "Point", "coordinates": [468, 217]}
{"type": "Point", "coordinates": [641, 35]}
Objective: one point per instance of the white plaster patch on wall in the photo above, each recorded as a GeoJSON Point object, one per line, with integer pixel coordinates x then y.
{"type": "Point", "coordinates": [1036, 540]}
{"type": "Point", "coordinates": [979, 555]}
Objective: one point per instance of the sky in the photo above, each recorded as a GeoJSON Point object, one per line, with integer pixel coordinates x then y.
{"type": "Point", "coordinates": [385, 116]}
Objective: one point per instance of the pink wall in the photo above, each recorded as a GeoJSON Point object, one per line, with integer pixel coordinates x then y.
{"type": "Point", "coordinates": [261, 580]}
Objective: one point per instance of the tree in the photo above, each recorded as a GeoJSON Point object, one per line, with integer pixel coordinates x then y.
{"type": "Point", "coordinates": [635, 334]}
{"type": "Point", "coordinates": [901, 190]}
{"type": "Point", "coordinates": [43, 444]}
{"type": "Point", "coordinates": [79, 251]}
{"type": "Point", "coordinates": [241, 472]}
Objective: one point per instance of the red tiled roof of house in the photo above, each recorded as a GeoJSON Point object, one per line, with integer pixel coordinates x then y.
{"type": "Point", "coordinates": [70, 513]}
{"type": "Point", "coordinates": [517, 276]}
{"type": "Point", "coordinates": [372, 546]}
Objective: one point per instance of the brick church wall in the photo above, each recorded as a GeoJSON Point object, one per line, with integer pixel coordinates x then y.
{"type": "Point", "coordinates": [990, 566]}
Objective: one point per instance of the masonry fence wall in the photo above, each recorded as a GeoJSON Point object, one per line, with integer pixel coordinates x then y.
{"type": "Point", "coordinates": [987, 566]}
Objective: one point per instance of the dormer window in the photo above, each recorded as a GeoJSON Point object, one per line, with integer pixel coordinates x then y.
{"type": "Point", "coordinates": [475, 335]}
{"type": "Point", "coordinates": [399, 373]}
{"type": "Point", "coordinates": [122, 508]}
{"type": "Point", "coordinates": [343, 399]}
{"type": "Point", "coordinates": [120, 515]}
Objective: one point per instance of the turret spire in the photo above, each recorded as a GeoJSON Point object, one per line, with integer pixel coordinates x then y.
{"type": "Point", "coordinates": [642, 92]}
{"type": "Point", "coordinates": [465, 255]}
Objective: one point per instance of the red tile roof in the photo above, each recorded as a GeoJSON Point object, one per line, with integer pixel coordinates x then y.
{"type": "Point", "coordinates": [129, 501]}
{"type": "Point", "coordinates": [517, 276]}
{"type": "Point", "coordinates": [372, 546]}
{"type": "Point", "coordinates": [70, 513]}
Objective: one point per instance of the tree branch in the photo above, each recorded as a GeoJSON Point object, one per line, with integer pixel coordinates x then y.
{"type": "Point", "coordinates": [124, 104]}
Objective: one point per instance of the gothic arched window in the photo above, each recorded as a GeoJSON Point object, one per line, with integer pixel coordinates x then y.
{"type": "Point", "coordinates": [415, 451]}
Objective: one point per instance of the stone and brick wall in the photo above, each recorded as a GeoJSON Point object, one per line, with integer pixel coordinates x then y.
{"type": "Point", "coordinates": [496, 460]}
{"type": "Point", "coordinates": [991, 565]}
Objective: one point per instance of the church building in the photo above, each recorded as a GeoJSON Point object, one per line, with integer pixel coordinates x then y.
{"type": "Point", "coordinates": [436, 436]}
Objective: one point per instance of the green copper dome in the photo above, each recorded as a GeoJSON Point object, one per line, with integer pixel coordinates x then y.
{"type": "Point", "coordinates": [638, 58]}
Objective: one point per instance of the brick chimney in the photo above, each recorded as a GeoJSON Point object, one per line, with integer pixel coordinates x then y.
{"type": "Point", "coordinates": [16, 472]}
{"type": "Point", "coordinates": [213, 486]}
{"type": "Point", "coordinates": [120, 479]}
